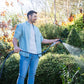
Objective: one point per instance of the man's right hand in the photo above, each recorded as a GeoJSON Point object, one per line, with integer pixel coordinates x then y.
{"type": "Point", "coordinates": [17, 49]}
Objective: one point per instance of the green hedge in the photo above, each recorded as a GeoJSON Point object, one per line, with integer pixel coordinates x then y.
{"type": "Point", "coordinates": [81, 34]}
{"type": "Point", "coordinates": [74, 39]}
{"type": "Point", "coordinates": [59, 49]}
{"type": "Point", "coordinates": [4, 50]}
{"type": "Point", "coordinates": [52, 68]}
{"type": "Point", "coordinates": [11, 70]}
{"type": "Point", "coordinates": [58, 69]}
{"type": "Point", "coordinates": [51, 31]}
{"type": "Point", "coordinates": [4, 47]}
{"type": "Point", "coordinates": [78, 24]}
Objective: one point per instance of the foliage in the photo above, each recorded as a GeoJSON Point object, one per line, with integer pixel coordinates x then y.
{"type": "Point", "coordinates": [4, 49]}
{"type": "Point", "coordinates": [74, 39]}
{"type": "Point", "coordinates": [59, 49]}
{"type": "Point", "coordinates": [56, 69]}
{"type": "Point", "coordinates": [65, 33]}
{"type": "Point", "coordinates": [81, 34]}
{"type": "Point", "coordinates": [51, 31]}
{"type": "Point", "coordinates": [15, 20]}
{"type": "Point", "coordinates": [77, 23]}
{"type": "Point", "coordinates": [11, 70]}
{"type": "Point", "coordinates": [52, 68]}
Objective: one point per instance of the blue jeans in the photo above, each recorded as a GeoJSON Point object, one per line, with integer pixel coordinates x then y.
{"type": "Point", "coordinates": [30, 62]}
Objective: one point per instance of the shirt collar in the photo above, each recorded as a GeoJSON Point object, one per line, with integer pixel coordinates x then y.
{"type": "Point", "coordinates": [28, 23]}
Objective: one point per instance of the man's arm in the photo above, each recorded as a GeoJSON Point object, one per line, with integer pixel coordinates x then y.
{"type": "Point", "coordinates": [47, 41]}
{"type": "Point", "coordinates": [16, 48]}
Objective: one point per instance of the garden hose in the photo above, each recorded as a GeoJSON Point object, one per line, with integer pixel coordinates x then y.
{"type": "Point", "coordinates": [27, 52]}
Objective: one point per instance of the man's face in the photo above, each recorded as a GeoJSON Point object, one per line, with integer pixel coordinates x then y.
{"type": "Point", "coordinates": [33, 17]}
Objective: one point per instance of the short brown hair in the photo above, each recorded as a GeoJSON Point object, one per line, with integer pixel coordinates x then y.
{"type": "Point", "coordinates": [31, 12]}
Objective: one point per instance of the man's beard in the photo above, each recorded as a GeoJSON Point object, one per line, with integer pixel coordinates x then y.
{"type": "Point", "coordinates": [33, 21]}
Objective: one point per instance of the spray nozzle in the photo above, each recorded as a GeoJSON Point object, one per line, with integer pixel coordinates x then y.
{"type": "Point", "coordinates": [55, 42]}
{"type": "Point", "coordinates": [60, 40]}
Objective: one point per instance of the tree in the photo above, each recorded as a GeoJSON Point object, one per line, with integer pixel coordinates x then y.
{"type": "Point", "coordinates": [54, 11]}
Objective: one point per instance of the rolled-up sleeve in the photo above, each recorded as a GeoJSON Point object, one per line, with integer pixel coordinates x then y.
{"type": "Point", "coordinates": [18, 31]}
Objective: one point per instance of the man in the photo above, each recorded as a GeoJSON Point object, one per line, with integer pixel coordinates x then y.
{"type": "Point", "coordinates": [30, 40]}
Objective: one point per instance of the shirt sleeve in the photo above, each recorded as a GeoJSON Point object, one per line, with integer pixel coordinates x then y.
{"type": "Point", "coordinates": [18, 31]}
{"type": "Point", "coordinates": [41, 37]}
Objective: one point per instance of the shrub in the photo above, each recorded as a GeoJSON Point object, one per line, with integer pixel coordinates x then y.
{"type": "Point", "coordinates": [4, 49]}
{"type": "Point", "coordinates": [50, 31]}
{"type": "Point", "coordinates": [65, 33]}
{"type": "Point", "coordinates": [59, 49]}
{"type": "Point", "coordinates": [79, 25]}
{"type": "Point", "coordinates": [15, 20]}
{"type": "Point", "coordinates": [52, 68]}
{"type": "Point", "coordinates": [74, 39]}
{"type": "Point", "coordinates": [11, 70]}
{"type": "Point", "coordinates": [56, 69]}
{"type": "Point", "coordinates": [4, 46]}
{"type": "Point", "coordinates": [81, 34]}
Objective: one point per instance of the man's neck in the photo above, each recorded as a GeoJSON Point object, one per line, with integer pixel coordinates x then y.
{"type": "Point", "coordinates": [30, 22]}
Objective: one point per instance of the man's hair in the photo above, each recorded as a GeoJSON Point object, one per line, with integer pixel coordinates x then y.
{"type": "Point", "coordinates": [30, 13]}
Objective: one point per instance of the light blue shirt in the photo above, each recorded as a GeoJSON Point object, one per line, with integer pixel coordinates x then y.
{"type": "Point", "coordinates": [22, 33]}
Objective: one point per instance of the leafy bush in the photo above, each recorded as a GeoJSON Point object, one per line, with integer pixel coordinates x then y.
{"type": "Point", "coordinates": [15, 20]}
{"type": "Point", "coordinates": [52, 68]}
{"type": "Point", "coordinates": [51, 31]}
{"type": "Point", "coordinates": [11, 70]}
{"type": "Point", "coordinates": [4, 49]}
{"type": "Point", "coordinates": [57, 69]}
{"type": "Point", "coordinates": [74, 39]}
{"type": "Point", "coordinates": [65, 33]}
{"type": "Point", "coordinates": [59, 49]}
{"type": "Point", "coordinates": [77, 24]}
{"type": "Point", "coordinates": [81, 34]}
